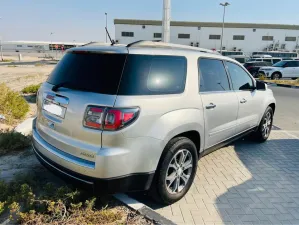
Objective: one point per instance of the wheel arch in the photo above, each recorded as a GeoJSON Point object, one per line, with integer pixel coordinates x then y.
{"type": "Point", "coordinates": [273, 106]}
{"type": "Point", "coordinates": [193, 135]}
{"type": "Point", "coordinates": [280, 74]}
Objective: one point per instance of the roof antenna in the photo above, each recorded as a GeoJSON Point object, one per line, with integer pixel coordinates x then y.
{"type": "Point", "coordinates": [112, 41]}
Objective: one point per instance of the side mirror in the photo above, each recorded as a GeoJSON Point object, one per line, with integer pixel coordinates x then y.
{"type": "Point", "coordinates": [260, 85]}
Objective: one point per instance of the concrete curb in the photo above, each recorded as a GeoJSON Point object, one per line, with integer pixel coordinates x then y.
{"type": "Point", "coordinates": [143, 210]}
{"type": "Point", "coordinates": [25, 127]}
{"type": "Point", "coordinates": [281, 85]}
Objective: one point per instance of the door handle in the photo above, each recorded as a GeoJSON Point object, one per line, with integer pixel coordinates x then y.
{"type": "Point", "coordinates": [211, 106]}
{"type": "Point", "coordinates": [243, 100]}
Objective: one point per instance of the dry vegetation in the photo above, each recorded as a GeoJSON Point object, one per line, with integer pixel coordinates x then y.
{"type": "Point", "coordinates": [31, 89]}
{"type": "Point", "coordinates": [288, 82]}
{"type": "Point", "coordinates": [28, 201]}
{"type": "Point", "coordinates": [12, 105]}
{"type": "Point", "coordinates": [11, 142]}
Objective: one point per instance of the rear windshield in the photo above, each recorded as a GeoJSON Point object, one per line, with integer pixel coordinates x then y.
{"type": "Point", "coordinates": [91, 72]}
{"type": "Point", "coordinates": [121, 73]}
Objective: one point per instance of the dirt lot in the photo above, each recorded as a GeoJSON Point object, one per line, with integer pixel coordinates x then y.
{"type": "Point", "coordinates": [17, 75]}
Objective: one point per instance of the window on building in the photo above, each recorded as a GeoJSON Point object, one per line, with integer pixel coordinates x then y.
{"type": "Point", "coordinates": [127, 34]}
{"type": "Point", "coordinates": [267, 38]}
{"type": "Point", "coordinates": [185, 36]}
{"type": "Point", "coordinates": [240, 79]}
{"type": "Point", "coordinates": [19, 46]}
{"type": "Point", "coordinates": [29, 46]}
{"type": "Point", "coordinates": [213, 76]}
{"type": "Point", "coordinates": [157, 35]}
{"type": "Point", "coordinates": [290, 39]}
{"type": "Point", "coordinates": [214, 37]}
{"type": "Point", "coordinates": [239, 37]}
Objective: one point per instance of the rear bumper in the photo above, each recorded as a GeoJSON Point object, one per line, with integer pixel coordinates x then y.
{"type": "Point", "coordinates": [102, 175]}
{"type": "Point", "coordinates": [133, 182]}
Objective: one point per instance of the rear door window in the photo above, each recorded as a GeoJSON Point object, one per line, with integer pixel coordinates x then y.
{"type": "Point", "coordinates": [291, 64]}
{"type": "Point", "coordinates": [153, 75]}
{"type": "Point", "coordinates": [212, 75]}
{"type": "Point", "coordinates": [93, 72]}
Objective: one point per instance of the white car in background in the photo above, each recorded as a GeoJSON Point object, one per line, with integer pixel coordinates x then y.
{"type": "Point", "coordinates": [282, 69]}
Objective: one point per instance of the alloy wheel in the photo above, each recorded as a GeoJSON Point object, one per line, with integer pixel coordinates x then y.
{"type": "Point", "coordinates": [179, 171]}
{"type": "Point", "coordinates": [267, 123]}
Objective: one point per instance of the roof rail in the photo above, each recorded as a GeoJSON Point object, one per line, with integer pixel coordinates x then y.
{"type": "Point", "coordinates": [142, 43]}
{"type": "Point", "coordinates": [133, 43]}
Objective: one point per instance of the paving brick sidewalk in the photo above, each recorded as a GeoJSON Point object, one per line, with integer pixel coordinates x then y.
{"type": "Point", "coordinates": [244, 183]}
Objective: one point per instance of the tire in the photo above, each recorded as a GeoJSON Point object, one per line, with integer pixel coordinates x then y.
{"type": "Point", "coordinates": [164, 190]}
{"type": "Point", "coordinates": [275, 76]}
{"type": "Point", "coordinates": [261, 135]}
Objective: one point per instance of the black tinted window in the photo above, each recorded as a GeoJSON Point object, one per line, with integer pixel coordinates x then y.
{"type": "Point", "coordinates": [292, 64]}
{"type": "Point", "coordinates": [213, 76]}
{"type": "Point", "coordinates": [98, 73]}
{"type": "Point", "coordinates": [240, 79]}
{"type": "Point", "coordinates": [153, 75]}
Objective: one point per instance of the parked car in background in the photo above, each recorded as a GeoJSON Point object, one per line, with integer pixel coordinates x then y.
{"type": "Point", "coordinates": [282, 69]}
{"type": "Point", "coordinates": [253, 67]}
{"type": "Point", "coordinates": [269, 59]}
{"type": "Point", "coordinates": [240, 58]}
{"type": "Point", "coordinates": [140, 117]}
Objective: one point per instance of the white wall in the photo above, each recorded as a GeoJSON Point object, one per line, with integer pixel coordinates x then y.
{"type": "Point", "coordinates": [253, 40]}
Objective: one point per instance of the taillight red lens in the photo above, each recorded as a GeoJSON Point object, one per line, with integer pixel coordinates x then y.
{"type": "Point", "coordinates": [93, 117]}
{"type": "Point", "coordinates": [249, 67]}
{"type": "Point", "coordinates": [119, 118]}
{"type": "Point", "coordinates": [109, 118]}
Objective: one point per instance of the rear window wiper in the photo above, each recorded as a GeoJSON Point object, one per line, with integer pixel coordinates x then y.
{"type": "Point", "coordinates": [59, 85]}
{"type": "Point", "coordinates": [68, 84]}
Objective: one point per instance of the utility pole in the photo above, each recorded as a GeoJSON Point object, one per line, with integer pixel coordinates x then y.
{"type": "Point", "coordinates": [51, 42]}
{"type": "Point", "coordinates": [166, 21]}
{"type": "Point", "coordinates": [224, 6]}
{"type": "Point", "coordinates": [106, 25]}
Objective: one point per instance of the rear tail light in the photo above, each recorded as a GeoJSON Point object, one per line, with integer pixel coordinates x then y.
{"type": "Point", "coordinates": [112, 119]}
{"type": "Point", "coordinates": [94, 117]}
{"type": "Point", "coordinates": [249, 67]}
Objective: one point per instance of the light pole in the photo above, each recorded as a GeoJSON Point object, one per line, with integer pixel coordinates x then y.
{"type": "Point", "coordinates": [51, 42]}
{"type": "Point", "coordinates": [224, 6]}
{"type": "Point", "coordinates": [106, 25]}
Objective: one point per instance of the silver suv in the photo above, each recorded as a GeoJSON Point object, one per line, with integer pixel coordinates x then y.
{"type": "Point", "coordinates": [139, 117]}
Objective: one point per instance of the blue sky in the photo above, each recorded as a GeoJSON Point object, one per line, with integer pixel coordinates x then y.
{"type": "Point", "coordinates": [85, 20]}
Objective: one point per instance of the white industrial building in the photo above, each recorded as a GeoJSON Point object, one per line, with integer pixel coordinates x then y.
{"type": "Point", "coordinates": [37, 46]}
{"type": "Point", "coordinates": [238, 37]}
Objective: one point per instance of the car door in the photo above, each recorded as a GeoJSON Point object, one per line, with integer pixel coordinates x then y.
{"type": "Point", "coordinates": [220, 103]}
{"type": "Point", "coordinates": [289, 69]}
{"type": "Point", "coordinates": [249, 99]}
{"type": "Point", "coordinates": [296, 74]}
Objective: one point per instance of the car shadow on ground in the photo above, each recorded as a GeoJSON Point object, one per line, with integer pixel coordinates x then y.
{"type": "Point", "coordinates": [271, 195]}
{"type": "Point", "coordinates": [268, 193]}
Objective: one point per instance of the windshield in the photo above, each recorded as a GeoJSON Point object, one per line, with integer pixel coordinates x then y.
{"type": "Point", "coordinates": [280, 64]}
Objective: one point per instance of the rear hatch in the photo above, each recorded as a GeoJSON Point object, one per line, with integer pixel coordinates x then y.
{"type": "Point", "coordinates": [82, 78]}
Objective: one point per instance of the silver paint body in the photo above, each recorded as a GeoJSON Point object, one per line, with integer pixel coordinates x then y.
{"type": "Point", "coordinates": [138, 147]}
